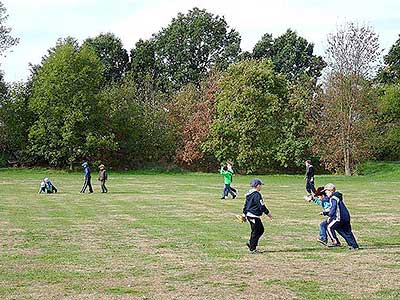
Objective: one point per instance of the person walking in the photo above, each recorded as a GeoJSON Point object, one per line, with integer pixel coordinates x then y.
{"type": "Point", "coordinates": [88, 177]}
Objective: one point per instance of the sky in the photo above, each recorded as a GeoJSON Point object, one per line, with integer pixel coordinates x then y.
{"type": "Point", "coordinates": [39, 23]}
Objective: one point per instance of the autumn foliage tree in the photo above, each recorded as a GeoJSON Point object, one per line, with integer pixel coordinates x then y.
{"type": "Point", "coordinates": [343, 115]}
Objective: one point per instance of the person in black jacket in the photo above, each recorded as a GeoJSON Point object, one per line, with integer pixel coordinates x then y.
{"type": "Point", "coordinates": [309, 177]}
{"type": "Point", "coordinates": [253, 209]}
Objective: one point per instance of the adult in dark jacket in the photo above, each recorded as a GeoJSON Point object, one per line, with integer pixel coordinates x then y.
{"type": "Point", "coordinates": [88, 177]}
{"type": "Point", "coordinates": [339, 218]}
{"type": "Point", "coordinates": [253, 209]}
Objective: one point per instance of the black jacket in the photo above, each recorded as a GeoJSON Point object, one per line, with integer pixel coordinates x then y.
{"type": "Point", "coordinates": [254, 205]}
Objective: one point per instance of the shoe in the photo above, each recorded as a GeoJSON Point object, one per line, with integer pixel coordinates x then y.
{"type": "Point", "coordinates": [334, 245]}
{"type": "Point", "coordinates": [323, 242]}
{"type": "Point", "coordinates": [223, 198]}
{"type": "Point", "coordinates": [354, 248]}
{"type": "Point", "coordinates": [256, 251]}
{"type": "Point", "coordinates": [234, 196]}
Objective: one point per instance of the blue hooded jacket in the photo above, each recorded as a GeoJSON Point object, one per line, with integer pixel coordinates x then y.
{"type": "Point", "coordinates": [338, 209]}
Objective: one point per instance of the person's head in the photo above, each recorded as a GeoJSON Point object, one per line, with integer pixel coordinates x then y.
{"type": "Point", "coordinates": [320, 193]}
{"type": "Point", "coordinates": [308, 162]}
{"type": "Point", "coordinates": [101, 167]}
{"type": "Point", "coordinates": [329, 189]}
{"type": "Point", "coordinates": [46, 179]}
{"type": "Point", "coordinates": [256, 184]}
{"type": "Point", "coordinates": [85, 164]}
{"type": "Point", "coordinates": [225, 168]}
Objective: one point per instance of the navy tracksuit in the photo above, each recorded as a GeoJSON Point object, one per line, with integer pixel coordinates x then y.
{"type": "Point", "coordinates": [339, 220]}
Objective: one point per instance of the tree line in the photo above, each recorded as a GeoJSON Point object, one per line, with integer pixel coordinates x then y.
{"type": "Point", "coordinates": [190, 97]}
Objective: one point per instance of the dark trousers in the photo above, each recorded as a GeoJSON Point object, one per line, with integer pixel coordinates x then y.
{"type": "Point", "coordinates": [257, 230]}
{"type": "Point", "coordinates": [87, 184]}
{"type": "Point", "coordinates": [103, 186]}
{"type": "Point", "coordinates": [227, 189]}
{"type": "Point", "coordinates": [344, 229]}
{"type": "Point", "coordinates": [54, 189]}
{"type": "Point", "coordinates": [310, 187]}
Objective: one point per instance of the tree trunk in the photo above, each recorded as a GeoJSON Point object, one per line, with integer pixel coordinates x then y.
{"type": "Point", "coordinates": [347, 162]}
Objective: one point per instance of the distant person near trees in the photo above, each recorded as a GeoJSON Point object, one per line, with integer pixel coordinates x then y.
{"type": "Point", "coordinates": [309, 177]}
{"type": "Point", "coordinates": [227, 183]}
{"type": "Point", "coordinates": [102, 178]}
{"type": "Point", "coordinates": [88, 178]}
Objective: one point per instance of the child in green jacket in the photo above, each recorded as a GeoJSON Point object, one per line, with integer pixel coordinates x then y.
{"type": "Point", "coordinates": [227, 183]}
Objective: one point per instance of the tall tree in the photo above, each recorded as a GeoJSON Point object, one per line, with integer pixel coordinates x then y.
{"type": "Point", "coordinates": [112, 54]}
{"type": "Point", "coordinates": [346, 110]}
{"type": "Point", "coordinates": [390, 72]}
{"type": "Point", "coordinates": [247, 124]}
{"type": "Point", "coordinates": [6, 40]}
{"type": "Point", "coordinates": [15, 121]}
{"type": "Point", "coordinates": [192, 44]}
{"type": "Point", "coordinates": [64, 100]}
{"type": "Point", "coordinates": [291, 54]}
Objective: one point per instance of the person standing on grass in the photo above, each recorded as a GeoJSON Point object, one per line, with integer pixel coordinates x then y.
{"type": "Point", "coordinates": [339, 219]}
{"type": "Point", "coordinates": [102, 178]}
{"type": "Point", "coordinates": [227, 183]}
{"type": "Point", "coordinates": [309, 177]}
{"type": "Point", "coordinates": [88, 177]}
{"type": "Point", "coordinates": [230, 169]}
{"type": "Point", "coordinates": [253, 209]}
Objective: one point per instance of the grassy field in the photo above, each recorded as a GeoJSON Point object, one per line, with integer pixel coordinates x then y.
{"type": "Point", "coordinates": [169, 236]}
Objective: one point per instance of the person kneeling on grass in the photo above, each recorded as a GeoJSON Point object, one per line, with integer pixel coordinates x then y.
{"type": "Point", "coordinates": [46, 186]}
{"type": "Point", "coordinates": [321, 199]}
{"type": "Point", "coordinates": [253, 209]}
{"type": "Point", "coordinates": [339, 218]}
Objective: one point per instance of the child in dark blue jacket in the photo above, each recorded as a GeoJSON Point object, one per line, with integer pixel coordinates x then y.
{"type": "Point", "coordinates": [339, 218]}
{"type": "Point", "coordinates": [253, 209]}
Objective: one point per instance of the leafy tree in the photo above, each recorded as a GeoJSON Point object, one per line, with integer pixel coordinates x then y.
{"type": "Point", "coordinates": [6, 40]}
{"type": "Point", "coordinates": [15, 121]}
{"type": "Point", "coordinates": [291, 54]}
{"type": "Point", "coordinates": [388, 144]}
{"type": "Point", "coordinates": [190, 46]}
{"type": "Point", "coordinates": [134, 115]}
{"type": "Point", "coordinates": [143, 62]}
{"type": "Point", "coordinates": [346, 110]}
{"type": "Point", "coordinates": [64, 100]}
{"type": "Point", "coordinates": [110, 50]}
{"type": "Point", "coordinates": [247, 125]}
{"type": "Point", "coordinates": [191, 114]}
{"type": "Point", "coordinates": [390, 73]}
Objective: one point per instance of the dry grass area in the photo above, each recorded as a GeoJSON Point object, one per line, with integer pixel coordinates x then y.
{"type": "Point", "coordinates": [170, 237]}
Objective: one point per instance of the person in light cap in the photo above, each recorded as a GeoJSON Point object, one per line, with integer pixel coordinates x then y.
{"type": "Point", "coordinates": [88, 177]}
{"type": "Point", "coordinates": [339, 218]}
{"type": "Point", "coordinates": [102, 178]}
{"type": "Point", "coordinates": [253, 209]}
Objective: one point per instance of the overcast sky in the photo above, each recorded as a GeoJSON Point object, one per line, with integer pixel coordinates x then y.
{"type": "Point", "coordinates": [39, 23]}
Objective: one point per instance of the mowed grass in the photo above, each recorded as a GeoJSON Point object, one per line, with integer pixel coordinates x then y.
{"type": "Point", "coordinates": [169, 236]}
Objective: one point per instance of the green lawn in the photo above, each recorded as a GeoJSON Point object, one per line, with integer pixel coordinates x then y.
{"type": "Point", "coordinates": [169, 236]}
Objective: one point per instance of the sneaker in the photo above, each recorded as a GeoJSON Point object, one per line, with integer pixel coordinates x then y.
{"type": "Point", "coordinates": [234, 196]}
{"type": "Point", "coordinates": [334, 245]}
{"type": "Point", "coordinates": [256, 251]}
{"type": "Point", "coordinates": [323, 242]}
{"type": "Point", "coordinates": [354, 248]}
{"type": "Point", "coordinates": [223, 198]}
